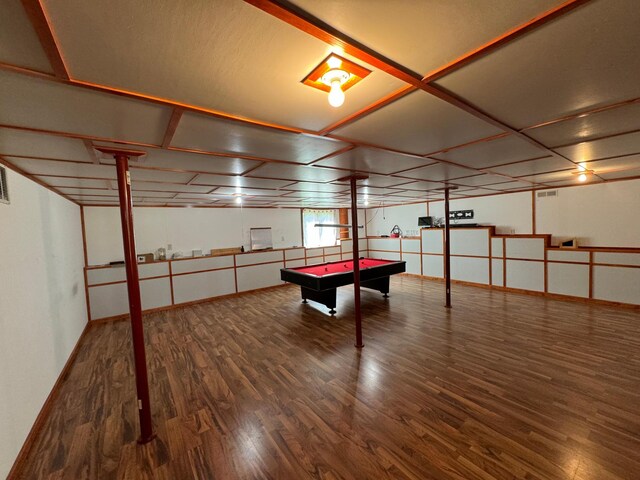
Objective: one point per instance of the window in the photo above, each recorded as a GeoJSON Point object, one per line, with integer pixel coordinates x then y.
{"type": "Point", "coordinates": [319, 236]}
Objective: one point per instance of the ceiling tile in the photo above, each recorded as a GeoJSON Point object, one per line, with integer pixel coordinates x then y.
{"type": "Point", "coordinates": [19, 44]}
{"type": "Point", "coordinates": [616, 166]}
{"type": "Point", "coordinates": [373, 160]}
{"type": "Point", "coordinates": [67, 169]}
{"type": "Point", "coordinates": [532, 167]}
{"type": "Point", "coordinates": [248, 191]}
{"type": "Point", "coordinates": [474, 192]}
{"type": "Point", "coordinates": [585, 58]}
{"type": "Point", "coordinates": [23, 143]}
{"type": "Point", "coordinates": [546, 178]}
{"type": "Point", "coordinates": [620, 174]}
{"type": "Point", "coordinates": [210, 134]}
{"type": "Point", "coordinates": [236, 181]}
{"type": "Point", "coordinates": [193, 162]}
{"type": "Point", "coordinates": [422, 186]}
{"type": "Point", "coordinates": [75, 182]}
{"type": "Point", "coordinates": [439, 172]}
{"type": "Point", "coordinates": [495, 152]}
{"type": "Point", "coordinates": [606, 147]}
{"type": "Point", "coordinates": [378, 181]}
{"type": "Point", "coordinates": [456, 27]}
{"type": "Point", "coordinates": [159, 176]}
{"type": "Point", "coordinates": [515, 185]}
{"type": "Point", "coordinates": [608, 122]}
{"type": "Point", "coordinates": [35, 103]}
{"type": "Point", "coordinates": [480, 180]}
{"type": "Point", "coordinates": [104, 192]}
{"type": "Point", "coordinates": [238, 58]}
{"type": "Point", "coordinates": [141, 187]}
{"type": "Point", "coordinates": [418, 123]}
{"type": "Point", "coordinates": [317, 187]}
{"type": "Point", "coordinates": [296, 173]}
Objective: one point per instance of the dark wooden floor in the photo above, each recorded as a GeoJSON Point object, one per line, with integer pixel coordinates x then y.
{"type": "Point", "coordinates": [261, 386]}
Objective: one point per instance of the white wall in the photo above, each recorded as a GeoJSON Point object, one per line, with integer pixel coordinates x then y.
{"type": "Point", "coordinates": [42, 304]}
{"type": "Point", "coordinates": [186, 229]}
{"type": "Point", "coordinates": [510, 213]}
{"type": "Point", "coordinates": [599, 215]}
{"type": "Point", "coordinates": [380, 221]}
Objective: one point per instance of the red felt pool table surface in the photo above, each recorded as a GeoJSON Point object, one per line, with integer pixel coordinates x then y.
{"type": "Point", "coordinates": [340, 267]}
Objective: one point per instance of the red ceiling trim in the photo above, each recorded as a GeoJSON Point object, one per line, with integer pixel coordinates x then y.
{"type": "Point", "coordinates": [38, 17]}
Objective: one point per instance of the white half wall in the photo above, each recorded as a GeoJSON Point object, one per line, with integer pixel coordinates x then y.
{"type": "Point", "coordinates": [42, 304]}
{"type": "Point", "coordinates": [186, 229]}
{"type": "Point", "coordinates": [598, 215]}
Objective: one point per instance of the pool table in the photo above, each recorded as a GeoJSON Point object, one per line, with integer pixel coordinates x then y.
{"type": "Point", "coordinates": [319, 282]}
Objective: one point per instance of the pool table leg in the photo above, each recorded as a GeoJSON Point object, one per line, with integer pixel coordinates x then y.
{"type": "Point", "coordinates": [325, 297]}
{"type": "Point", "coordinates": [380, 284]}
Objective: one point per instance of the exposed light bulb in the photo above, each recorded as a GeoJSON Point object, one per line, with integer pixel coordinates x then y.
{"type": "Point", "coordinates": [582, 177]}
{"type": "Point", "coordinates": [334, 62]}
{"type": "Point", "coordinates": [366, 202]}
{"type": "Point", "coordinates": [238, 200]}
{"type": "Point", "coordinates": [336, 95]}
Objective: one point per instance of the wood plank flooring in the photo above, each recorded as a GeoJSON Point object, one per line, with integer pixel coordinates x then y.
{"type": "Point", "coordinates": [261, 386]}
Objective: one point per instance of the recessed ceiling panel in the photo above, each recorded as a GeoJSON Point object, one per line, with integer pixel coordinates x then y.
{"type": "Point", "coordinates": [31, 102]}
{"type": "Point", "coordinates": [455, 27]}
{"type": "Point", "coordinates": [378, 181]}
{"type": "Point", "coordinates": [607, 147]}
{"type": "Point", "coordinates": [66, 169]}
{"type": "Point", "coordinates": [236, 181]}
{"type": "Point", "coordinates": [515, 185]}
{"type": "Point", "coordinates": [422, 186]}
{"type": "Point", "coordinates": [141, 187]}
{"type": "Point", "coordinates": [19, 44]}
{"type": "Point", "coordinates": [76, 182]}
{"type": "Point", "coordinates": [552, 177]}
{"type": "Point", "coordinates": [224, 55]}
{"type": "Point", "coordinates": [248, 191]}
{"type": "Point", "coordinates": [622, 166]}
{"type": "Point", "coordinates": [373, 160]}
{"type": "Point", "coordinates": [480, 180]}
{"type": "Point", "coordinates": [24, 143]}
{"type": "Point", "coordinates": [608, 122]}
{"type": "Point", "coordinates": [317, 187]}
{"type": "Point", "coordinates": [138, 174]}
{"type": "Point", "coordinates": [621, 174]}
{"type": "Point", "coordinates": [283, 171]}
{"type": "Point", "coordinates": [532, 167]}
{"type": "Point", "coordinates": [327, 195]}
{"type": "Point", "coordinates": [192, 162]}
{"type": "Point", "coordinates": [418, 123]}
{"type": "Point", "coordinates": [439, 172]}
{"type": "Point", "coordinates": [474, 192]}
{"type": "Point", "coordinates": [495, 152]}
{"type": "Point", "coordinates": [88, 191]}
{"type": "Point", "coordinates": [588, 57]}
{"type": "Point", "coordinates": [201, 132]}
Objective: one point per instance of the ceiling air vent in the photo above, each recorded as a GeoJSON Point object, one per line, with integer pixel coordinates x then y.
{"type": "Point", "coordinates": [4, 189]}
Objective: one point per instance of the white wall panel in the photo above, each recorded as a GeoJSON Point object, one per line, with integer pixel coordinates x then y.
{"type": "Point", "coordinates": [187, 229]}
{"type": "Point", "coordinates": [332, 250]}
{"type": "Point", "coordinates": [315, 252]}
{"type": "Point", "coordinates": [568, 256]}
{"type": "Point", "coordinates": [497, 245]}
{"type": "Point", "coordinates": [497, 273]}
{"type": "Point", "coordinates": [199, 264]}
{"type": "Point", "coordinates": [413, 262]}
{"type": "Point", "coordinates": [346, 245]}
{"type": "Point", "coordinates": [388, 244]}
{"type": "Point", "coordinates": [259, 276]}
{"type": "Point", "coordinates": [525, 275]}
{"type": "Point", "coordinates": [381, 222]}
{"type": "Point", "coordinates": [42, 303]}
{"type": "Point", "coordinates": [294, 253]}
{"type": "Point", "coordinates": [146, 270]}
{"type": "Point", "coordinates": [411, 245]}
{"type": "Point", "coordinates": [432, 241]}
{"type": "Point", "coordinates": [259, 257]}
{"type": "Point", "coordinates": [470, 242]}
{"type": "Point", "coordinates": [155, 293]}
{"type": "Point", "coordinates": [567, 279]}
{"type": "Point", "coordinates": [295, 263]}
{"type": "Point", "coordinates": [617, 284]}
{"type": "Point", "coordinates": [332, 258]}
{"type": "Point", "coordinates": [384, 255]}
{"type": "Point", "coordinates": [470, 269]}
{"type": "Point", "coordinates": [108, 300]}
{"type": "Point", "coordinates": [592, 214]}
{"type": "Point", "coordinates": [197, 286]}
{"type": "Point", "coordinates": [433, 266]}
{"type": "Point", "coordinates": [529, 248]}
{"type": "Point", "coordinates": [106, 275]}
{"type": "Point", "coordinates": [615, 258]}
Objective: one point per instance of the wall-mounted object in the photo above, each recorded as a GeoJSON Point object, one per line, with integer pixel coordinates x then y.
{"type": "Point", "coordinates": [571, 243]}
{"type": "Point", "coordinates": [145, 257]}
{"type": "Point", "coordinates": [461, 215]}
{"type": "Point", "coordinates": [4, 187]}
{"type": "Point", "coordinates": [196, 253]}
{"type": "Point", "coordinates": [425, 222]}
{"type": "Point", "coordinates": [261, 238]}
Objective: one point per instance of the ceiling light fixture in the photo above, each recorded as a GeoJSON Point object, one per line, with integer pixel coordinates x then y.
{"type": "Point", "coordinates": [335, 74]}
{"type": "Point", "coordinates": [238, 200]}
{"type": "Point", "coordinates": [582, 172]}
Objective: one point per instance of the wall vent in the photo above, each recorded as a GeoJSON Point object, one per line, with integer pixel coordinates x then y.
{"type": "Point", "coordinates": [4, 188]}
{"type": "Point", "coordinates": [548, 193]}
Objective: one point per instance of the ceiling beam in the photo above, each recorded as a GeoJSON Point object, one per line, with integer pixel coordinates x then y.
{"type": "Point", "coordinates": [38, 17]}
{"type": "Point", "coordinates": [172, 126]}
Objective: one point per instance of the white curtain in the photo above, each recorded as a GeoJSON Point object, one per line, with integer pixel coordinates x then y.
{"type": "Point", "coordinates": [319, 236]}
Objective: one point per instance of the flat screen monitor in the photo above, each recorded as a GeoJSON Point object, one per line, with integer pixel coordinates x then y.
{"type": "Point", "coordinates": [425, 221]}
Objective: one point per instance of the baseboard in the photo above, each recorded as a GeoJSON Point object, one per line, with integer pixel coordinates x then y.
{"type": "Point", "coordinates": [18, 464]}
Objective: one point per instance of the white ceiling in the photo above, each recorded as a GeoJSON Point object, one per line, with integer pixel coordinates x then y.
{"type": "Point", "coordinates": [212, 93]}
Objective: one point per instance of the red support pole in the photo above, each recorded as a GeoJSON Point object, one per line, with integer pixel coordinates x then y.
{"type": "Point", "coordinates": [135, 304]}
{"type": "Point", "coordinates": [447, 249]}
{"type": "Point", "coordinates": [356, 262]}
